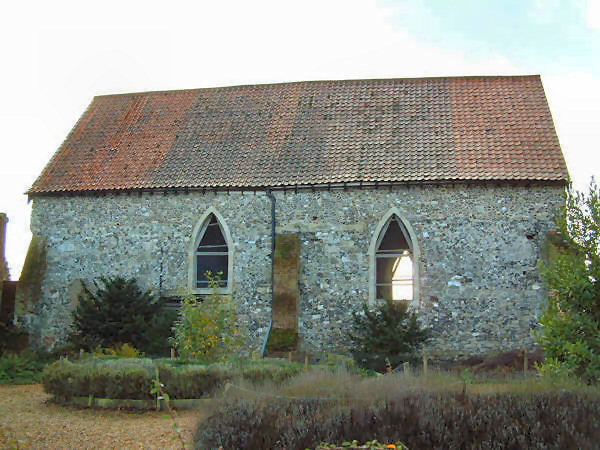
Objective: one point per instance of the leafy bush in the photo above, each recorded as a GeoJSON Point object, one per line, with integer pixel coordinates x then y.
{"type": "Point", "coordinates": [24, 368]}
{"type": "Point", "coordinates": [116, 312]}
{"type": "Point", "coordinates": [390, 331]}
{"type": "Point", "coordinates": [206, 329]}
{"type": "Point", "coordinates": [117, 350]}
{"type": "Point", "coordinates": [132, 378]}
{"type": "Point", "coordinates": [571, 321]}
{"type": "Point", "coordinates": [437, 420]}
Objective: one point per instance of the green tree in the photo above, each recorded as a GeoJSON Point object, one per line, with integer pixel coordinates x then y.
{"type": "Point", "coordinates": [207, 329]}
{"type": "Point", "coordinates": [570, 332]}
{"type": "Point", "coordinates": [116, 311]}
{"type": "Point", "coordinates": [391, 329]}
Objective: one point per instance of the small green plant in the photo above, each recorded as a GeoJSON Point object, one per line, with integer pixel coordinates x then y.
{"type": "Point", "coordinates": [158, 389]}
{"type": "Point", "coordinates": [466, 376]}
{"type": "Point", "coordinates": [206, 329]}
{"type": "Point", "coordinates": [391, 329]}
{"type": "Point", "coordinates": [114, 312]}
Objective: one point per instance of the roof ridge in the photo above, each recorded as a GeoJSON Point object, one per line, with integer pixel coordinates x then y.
{"type": "Point", "coordinates": [287, 83]}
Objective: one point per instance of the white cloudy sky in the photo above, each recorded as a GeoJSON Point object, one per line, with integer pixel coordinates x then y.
{"type": "Point", "coordinates": [56, 55]}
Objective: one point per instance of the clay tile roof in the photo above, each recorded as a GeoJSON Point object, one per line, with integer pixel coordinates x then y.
{"type": "Point", "coordinates": [306, 133]}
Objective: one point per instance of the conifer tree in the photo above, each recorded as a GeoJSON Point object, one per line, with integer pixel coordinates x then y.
{"type": "Point", "coordinates": [389, 330]}
{"type": "Point", "coordinates": [116, 311]}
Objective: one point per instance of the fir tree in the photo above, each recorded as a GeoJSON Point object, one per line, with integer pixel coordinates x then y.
{"type": "Point", "coordinates": [116, 311]}
{"type": "Point", "coordinates": [389, 330]}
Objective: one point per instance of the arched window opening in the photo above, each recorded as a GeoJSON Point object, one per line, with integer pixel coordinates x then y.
{"type": "Point", "coordinates": [394, 262]}
{"type": "Point", "coordinates": [212, 253]}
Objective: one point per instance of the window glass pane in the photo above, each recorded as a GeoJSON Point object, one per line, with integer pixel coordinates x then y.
{"type": "Point", "coordinates": [213, 237]}
{"type": "Point", "coordinates": [396, 274]}
{"type": "Point", "coordinates": [214, 263]}
{"type": "Point", "coordinates": [393, 239]}
{"type": "Point", "coordinates": [385, 269]}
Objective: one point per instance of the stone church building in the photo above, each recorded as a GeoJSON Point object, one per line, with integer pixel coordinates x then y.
{"type": "Point", "coordinates": [435, 191]}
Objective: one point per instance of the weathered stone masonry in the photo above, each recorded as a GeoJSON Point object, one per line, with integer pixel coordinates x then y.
{"type": "Point", "coordinates": [479, 285]}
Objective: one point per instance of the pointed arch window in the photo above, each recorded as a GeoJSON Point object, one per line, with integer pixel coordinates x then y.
{"type": "Point", "coordinates": [212, 253]}
{"type": "Point", "coordinates": [394, 265]}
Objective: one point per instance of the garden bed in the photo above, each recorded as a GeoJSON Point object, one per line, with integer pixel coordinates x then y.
{"type": "Point", "coordinates": [129, 382]}
{"type": "Point", "coordinates": [439, 411]}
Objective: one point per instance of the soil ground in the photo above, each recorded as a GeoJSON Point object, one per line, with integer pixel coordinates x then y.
{"type": "Point", "coordinates": [28, 415]}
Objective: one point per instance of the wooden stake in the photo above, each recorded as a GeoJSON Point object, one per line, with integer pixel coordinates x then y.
{"type": "Point", "coordinates": [525, 361]}
{"type": "Point", "coordinates": [306, 361]}
{"type": "Point", "coordinates": [172, 353]}
{"type": "Point", "coordinates": [424, 364]}
{"type": "Point", "coordinates": [290, 356]}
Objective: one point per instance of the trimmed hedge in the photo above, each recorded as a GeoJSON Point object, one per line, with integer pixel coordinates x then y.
{"type": "Point", "coordinates": [131, 378]}
{"type": "Point", "coordinates": [437, 420]}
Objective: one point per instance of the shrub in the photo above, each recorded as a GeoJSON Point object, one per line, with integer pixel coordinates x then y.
{"type": "Point", "coordinates": [206, 329]}
{"type": "Point", "coordinates": [132, 378]}
{"type": "Point", "coordinates": [390, 331]}
{"type": "Point", "coordinates": [24, 368]}
{"type": "Point", "coordinates": [115, 312]}
{"type": "Point", "coordinates": [117, 350]}
{"type": "Point", "coordinates": [571, 321]}
{"type": "Point", "coordinates": [120, 378]}
{"type": "Point", "coordinates": [437, 420]}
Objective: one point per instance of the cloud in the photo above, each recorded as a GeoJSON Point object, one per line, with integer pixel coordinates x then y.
{"type": "Point", "coordinates": [574, 100]}
{"type": "Point", "coordinates": [592, 14]}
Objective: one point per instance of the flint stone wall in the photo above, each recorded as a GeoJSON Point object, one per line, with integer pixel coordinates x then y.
{"type": "Point", "coordinates": [479, 285]}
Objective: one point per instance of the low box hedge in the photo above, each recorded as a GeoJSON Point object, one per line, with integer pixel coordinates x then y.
{"type": "Point", "coordinates": [131, 378]}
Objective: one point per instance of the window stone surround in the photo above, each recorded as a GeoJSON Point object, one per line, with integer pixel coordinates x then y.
{"type": "Point", "coordinates": [416, 255]}
{"type": "Point", "coordinates": [191, 262]}
{"type": "Point", "coordinates": [479, 288]}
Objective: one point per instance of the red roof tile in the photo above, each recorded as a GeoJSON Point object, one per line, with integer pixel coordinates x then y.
{"type": "Point", "coordinates": [396, 130]}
